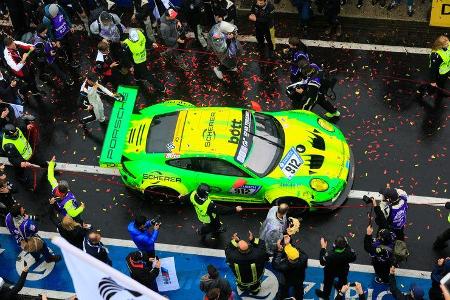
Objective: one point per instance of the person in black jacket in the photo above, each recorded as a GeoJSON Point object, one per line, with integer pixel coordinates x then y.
{"type": "Point", "coordinates": [336, 264]}
{"type": "Point", "coordinates": [292, 263]}
{"type": "Point", "coordinates": [11, 292]}
{"type": "Point", "coordinates": [213, 280]}
{"type": "Point", "coordinates": [143, 268]}
{"type": "Point", "coordinates": [441, 269]}
{"type": "Point", "coordinates": [72, 231]}
{"type": "Point", "coordinates": [9, 90]}
{"type": "Point", "coordinates": [261, 13]}
{"type": "Point", "coordinates": [247, 261]}
{"type": "Point", "coordinates": [415, 291]}
{"type": "Point", "coordinates": [191, 13]}
{"type": "Point", "coordinates": [331, 11]}
{"type": "Point", "coordinates": [381, 250]}
{"type": "Point", "coordinates": [359, 290]}
{"type": "Point", "coordinates": [93, 246]}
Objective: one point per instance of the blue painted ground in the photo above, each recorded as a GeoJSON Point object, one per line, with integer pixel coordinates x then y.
{"type": "Point", "coordinates": [189, 270]}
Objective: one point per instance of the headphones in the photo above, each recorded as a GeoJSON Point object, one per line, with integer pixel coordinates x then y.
{"type": "Point", "coordinates": [340, 248]}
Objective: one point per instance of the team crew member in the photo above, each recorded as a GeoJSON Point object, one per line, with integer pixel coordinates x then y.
{"type": "Point", "coordinates": [312, 91]}
{"type": "Point", "coordinates": [381, 250]}
{"type": "Point", "coordinates": [143, 268]}
{"type": "Point", "coordinates": [109, 67]}
{"type": "Point", "coordinates": [136, 46]}
{"type": "Point", "coordinates": [261, 13]}
{"type": "Point", "coordinates": [336, 264]}
{"type": "Point", "coordinates": [144, 235]}
{"type": "Point", "coordinates": [19, 62]}
{"type": "Point", "coordinates": [296, 52]}
{"type": "Point", "coordinates": [62, 197]}
{"type": "Point", "coordinates": [208, 212]}
{"type": "Point", "coordinates": [441, 240]}
{"type": "Point", "coordinates": [247, 260]}
{"type": "Point", "coordinates": [60, 28]}
{"type": "Point", "coordinates": [392, 211]}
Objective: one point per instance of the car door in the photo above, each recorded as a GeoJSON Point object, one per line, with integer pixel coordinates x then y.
{"type": "Point", "coordinates": [228, 182]}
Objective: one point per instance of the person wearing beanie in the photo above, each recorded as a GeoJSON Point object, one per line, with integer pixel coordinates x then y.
{"type": "Point", "coordinates": [336, 264]}
{"type": "Point", "coordinates": [46, 53]}
{"type": "Point", "coordinates": [143, 268]}
{"type": "Point", "coordinates": [381, 250]}
{"type": "Point", "coordinates": [11, 292]}
{"type": "Point", "coordinates": [415, 291]}
{"type": "Point", "coordinates": [291, 262]}
{"type": "Point", "coordinates": [60, 28]}
{"type": "Point", "coordinates": [213, 280]}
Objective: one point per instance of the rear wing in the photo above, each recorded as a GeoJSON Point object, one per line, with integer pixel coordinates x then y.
{"type": "Point", "coordinates": [114, 141]}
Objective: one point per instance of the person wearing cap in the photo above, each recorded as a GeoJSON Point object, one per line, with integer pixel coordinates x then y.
{"type": "Point", "coordinates": [143, 268]}
{"type": "Point", "coordinates": [291, 262]}
{"type": "Point", "coordinates": [171, 37]}
{"type": "Point", "coordinates": [415, 291]}
{"type": "Point", "coordinates": [261, 13]}
{"type": "Point", "coordinates": [392, 211]}
{"type": "Point", "coordinates": [60, 29]}
{"type": "Point", "coordinates": [222, 39]}
{"type": "Point", "coordinates": [274, 226]}
{"type": "Point", "coordinates": [440, 270]}
{"type": "Point", "coordinates": [46, 53]}
{"type": "Point", "coordinates": [336, 264]}
{"type": "Point", "coordinates": [208, 212]}
{"type": "Point", "coordinates": [381, 250]}
{"type": "Point", "coordinates": [109, 29]}
{"type": "Point", "coordinates": [135, 43]}
{"type": "Point", "coordinates": [247, 261]}
{"type": "Point", "coordinates": [11, 292]}
{"type": "Point", "coordinates": [213, 280]}
{"type": "Point", "coordinates": [62, 197]}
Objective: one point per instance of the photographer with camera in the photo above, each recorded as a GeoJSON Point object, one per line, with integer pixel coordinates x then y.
{"type": "Point", "coordinates": [381, 250]}
{"type": "Point", "coordinates": [336, 264]}
{"type": "Point", "coordinates": [22, 228]}
{"type": "Point", "coordinates": [144, 233]}
{"type": "Point", "coordinates": [441, 241]}
{"type": "Point", "coordinates": [291, 262]}
{"type": "Point", "coordinates": [144, 268]}
{"type": "Point", "coordinates": [358, 287]}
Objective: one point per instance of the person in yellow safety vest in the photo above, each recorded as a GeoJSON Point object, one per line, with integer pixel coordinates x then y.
{"type": "Point", "coordinates": [135, 43]}
{"type": "Point", "coordinates": [439, 70]}
{"type": "Point", "coordinates": [247, 261]}
{"type": "Point", "coordinates": [208, 212]}
{"type": "Point", "coordinates": [441, 241]}
{"type": "Point", "coordinates": [19, 152]}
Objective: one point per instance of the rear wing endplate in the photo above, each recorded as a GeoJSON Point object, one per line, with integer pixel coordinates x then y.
{"type": "Point", "coordinates": [114, 141]}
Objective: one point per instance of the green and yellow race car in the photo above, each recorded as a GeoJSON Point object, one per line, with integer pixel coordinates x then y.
{"type": "Point", "coordinates": [245, 156]}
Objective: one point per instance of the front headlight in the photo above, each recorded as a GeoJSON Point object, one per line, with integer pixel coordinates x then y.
{"type": "Point", "coordinates": [325, 125]}
{"type": "Point", "coordinates": [319, 185]}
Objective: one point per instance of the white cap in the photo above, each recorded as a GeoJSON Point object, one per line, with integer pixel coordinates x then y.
{"type": "Point", "coordinates": [53, 10]}
{"type": "Point", "coordinates": [226, 27]}
{"type": "Point", "coordinates": [133, 35]}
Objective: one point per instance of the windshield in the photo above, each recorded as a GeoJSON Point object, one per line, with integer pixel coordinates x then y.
{"type": "Point", "coordinates": [267, 145]}
{"type": "Point", "coordinates": [161, 131]}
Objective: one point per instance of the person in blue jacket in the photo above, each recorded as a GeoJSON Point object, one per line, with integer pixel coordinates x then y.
{"type": "Point", "coordinates": [144, 235]}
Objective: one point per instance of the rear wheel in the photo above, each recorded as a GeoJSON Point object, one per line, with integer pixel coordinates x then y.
{"type": "Point", "coordinates": [297, 206]}
{"type": "Point", "coordinates": [161, 194]}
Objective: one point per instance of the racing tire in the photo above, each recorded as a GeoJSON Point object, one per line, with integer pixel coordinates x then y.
{"type": "Point", "coordinates": [162, 194]}
{"type": "Point", "coordinates": [297, 206]}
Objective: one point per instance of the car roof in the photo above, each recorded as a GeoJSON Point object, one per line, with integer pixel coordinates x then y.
{"type": "Point", "coordinates": [208, 130]}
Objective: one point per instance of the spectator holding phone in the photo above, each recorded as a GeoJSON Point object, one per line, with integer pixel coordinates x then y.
{"type": "Point", "coordinates": [358, 287]}
{"type": "Point", "coordinates": [415, 291]}
{"type": "Point", "coordinates": [11, 292]}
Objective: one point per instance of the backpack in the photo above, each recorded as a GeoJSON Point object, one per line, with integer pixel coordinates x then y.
{"type": "Point", "coordinates": [401, 251]}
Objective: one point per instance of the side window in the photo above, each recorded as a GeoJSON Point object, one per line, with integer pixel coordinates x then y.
{"type": "Point", "coordinates": [217, 166]}
{"type": "Point", "coordinates": [183, 163]}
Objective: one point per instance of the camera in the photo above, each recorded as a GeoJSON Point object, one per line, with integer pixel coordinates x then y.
{"type": "Point", "coordinates": [155, 220]}
{"type": "Point", "coordinates": [367, 199]}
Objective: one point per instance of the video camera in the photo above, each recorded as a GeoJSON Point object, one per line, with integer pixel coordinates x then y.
{"type": "Point", "coordinates": [367, 199]}
{"type": "Point", "coordinates": [155, 221]}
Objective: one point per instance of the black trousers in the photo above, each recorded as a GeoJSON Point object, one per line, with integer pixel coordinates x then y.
{"type": "Point", "coordinates": [381, 269]}
{"type": "Point", "coordinates": [283, 290]}
{"type": "Point", "coordinates": [212, 227]}
{"type": "Point", "coordinates": [56, 69]}
{"type": "Point", "coordinates": [142, 73]}
{"type": "Point", "coordinates": [263, 33]}
{"type": "Point", "coordinates": [301, 103]}
{"type": "Point", "coordinates": [442, 239]}
{"type": "Point", "coordinates": [67, 46]}
{"type": "Point", "coordinates": [328, 281]}
{"type": "Point", "coordinates": [439, 91]}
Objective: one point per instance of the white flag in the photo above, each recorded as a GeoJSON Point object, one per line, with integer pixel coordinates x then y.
{"type": "Point", "coordinates": [95, 280]}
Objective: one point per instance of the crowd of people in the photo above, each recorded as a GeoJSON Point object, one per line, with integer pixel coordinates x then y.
{"type": "Point", "coordinates": [41, 48]}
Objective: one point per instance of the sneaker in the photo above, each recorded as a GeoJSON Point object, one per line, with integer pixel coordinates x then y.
{"type": "Point", "coordinates": [53, 258]}
{"type": "Point", "coordinates": [359, 5]}
{"type": "Point", "coordinates": [233, 69]}
{"type": "Point", "coordinates": [328, 30]}
{"type": "Point", "coordinates": [218, 73]}
{"type": "Point", "coordinates": [338, 30]}
{"type": "Point", "coordinates": [332, 115]}
{"type": "Point", "coordinates": [410, 11]}
{"type": "Point", "coordinates": [321, 294]}
{"type": "Point", "coordinates": [392, 5]}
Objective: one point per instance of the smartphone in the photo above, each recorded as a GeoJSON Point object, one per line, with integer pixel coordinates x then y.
{"type": "Point", "coordinates": [25, 263]}
{"type": "Point", "coordinates": [352, 284]}
{"type": "Point", "coordinates": [445, 281]}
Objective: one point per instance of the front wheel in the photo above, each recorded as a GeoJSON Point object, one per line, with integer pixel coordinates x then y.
{"type": "Point", "coordinates": [297, 206]}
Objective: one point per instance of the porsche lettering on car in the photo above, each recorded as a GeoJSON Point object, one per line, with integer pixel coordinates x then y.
{"type": "Point", "coordinates": [244, 155]}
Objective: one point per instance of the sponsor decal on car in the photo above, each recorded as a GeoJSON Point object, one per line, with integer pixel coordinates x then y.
{"type": "Point", "coordinates": [246, 189]}
{"type": "Point", "coordinates": [156, 177]}
{"type": "Point", "coordinates": [245, 140]}
{"type": "Point", "coordinates": [209, 134]}
{"type": "Point", "coordinates": [291, 163]}
{"type": "Point", "coordinates": [172, 155]}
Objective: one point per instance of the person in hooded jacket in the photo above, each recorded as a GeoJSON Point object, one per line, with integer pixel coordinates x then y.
{"type": "Point", "coordinates": [214, 280]}
{"type": "Point", "coordinates": [143, 234]}
{"type": "Point", "coordinates": [170, 35]}
{"type": "Point", "coordinates": [291, 262]}
{"type": "Point", "coordinates": [381, 250]}
{"type": "Point", "coordinates": [143, 268]}
{"type": "Point", "coordinates": [441, 269]}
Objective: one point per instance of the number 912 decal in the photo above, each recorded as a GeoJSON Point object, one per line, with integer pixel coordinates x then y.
{"type": "Point", "coordinates": [291, 163]}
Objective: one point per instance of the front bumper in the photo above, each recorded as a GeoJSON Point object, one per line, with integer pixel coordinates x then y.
{"type": "Point", "coordinates": [342, 197]}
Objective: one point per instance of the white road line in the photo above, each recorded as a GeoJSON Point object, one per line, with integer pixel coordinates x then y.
{"type": "Point", "coordinates": [354, 194]}
{"type": "Point", "coordinates": [221, 253]}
